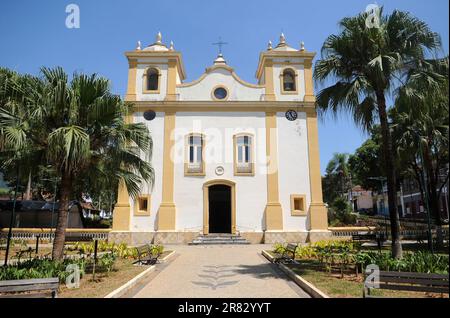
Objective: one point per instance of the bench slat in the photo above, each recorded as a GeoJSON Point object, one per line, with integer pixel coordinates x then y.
{"type": "Point", "coordinates": [24, 288]}
{"type": "Point", "coordinates": [29, 281]}
{"type": "Point", "coordinates": [31, 295]}
{"type": "Point", "coordinates": [443, 290]}
{"type": "Point", "coordinates": [415, 281]}
{"type": "Point", "coordinates": [413, 275]}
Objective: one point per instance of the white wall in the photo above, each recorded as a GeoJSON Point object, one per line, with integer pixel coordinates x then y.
{"type": "Point", "coordinates": [293, 167]}
{"type": "Point", "coordinates": [251, 191]}
{"type": "Point", "coordinates": [220, 76]}
{"type": "Point", "coordinates": [156, 128]}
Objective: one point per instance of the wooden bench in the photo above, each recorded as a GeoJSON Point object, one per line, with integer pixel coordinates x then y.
{"type": "Point", "coordinates": [369, 237]}
{"type": "Point", "coordinates": [145, 255]}
{"type": "Point", "coordinates": [30, 288]}
{"type": "Point", "coordinates": [77, 238]}
{"type": "Point", "coordinates": [417, 282]}
{"type": "Point", "coordinates": [288, 254]}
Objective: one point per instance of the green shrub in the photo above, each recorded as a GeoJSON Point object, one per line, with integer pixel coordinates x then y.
{"type": "Point", "coordinates": [40, 268]}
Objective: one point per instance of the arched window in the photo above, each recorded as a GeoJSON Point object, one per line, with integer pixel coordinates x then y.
{"type": "Point", "coordinates": [243, 160]}
{"type": "Point", "coordinates": [289, 80]}
{"type": "Point", "coordinates": [152, 79]}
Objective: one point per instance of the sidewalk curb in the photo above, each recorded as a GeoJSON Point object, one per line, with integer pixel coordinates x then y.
{"type": "Point", "coordinates": [136, 280]}
{"type": "Point", "coordinates": [309, 288]}
{"type": "Point", "coordinates": [130, 284]}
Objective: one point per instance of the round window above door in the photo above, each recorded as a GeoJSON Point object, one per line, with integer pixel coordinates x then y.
{"type": "Point", "coordinates": [220, 93]}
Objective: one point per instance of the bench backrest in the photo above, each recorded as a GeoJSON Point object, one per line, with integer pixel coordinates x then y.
{"type": "Point", "coordinates": [77, 238]}
{"type": "Point", "coordinates": [37, 287]}
{"type": "Point", "coordinates": [143, 249]}
{"type": "Point", "coordinates": [291, 247]}
{"type": "Point", "coordinates": [357, 237]}
{"type": "Point", "coordinates": [420, 282]}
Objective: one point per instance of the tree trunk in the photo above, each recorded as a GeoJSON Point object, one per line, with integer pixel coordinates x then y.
{"type": "Point", "coordinates": [28, 195]}
{"type": "Point", "coordinates": [433, 198]}
{"type": "Point", "coordinates": [391, 179]}
{"type": "Point", "coordinates": [60, 233]}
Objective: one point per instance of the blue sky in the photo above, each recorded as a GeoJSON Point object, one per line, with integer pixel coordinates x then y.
{"type": "Point", "coordinates": [33, 34]}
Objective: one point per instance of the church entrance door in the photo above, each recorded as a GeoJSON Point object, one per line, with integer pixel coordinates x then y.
{"type": "Point", "coordinates": [219, 208]}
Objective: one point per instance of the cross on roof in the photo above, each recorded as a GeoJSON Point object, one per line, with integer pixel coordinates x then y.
{"type": "Point", "coordinates": [219, 44]}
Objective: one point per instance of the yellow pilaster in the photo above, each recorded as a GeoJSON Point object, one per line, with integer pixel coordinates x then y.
{"type": "Point", "coordinates": [131, 89]}
{"type": "Point", "coordinates": [167, 209]}
{"type": "Point", "coordinates": [273, 212]}
{"type": "Point", "coordinates": [309, 84]}
{"type": "Point", "coordinates": [171, 80]}
{"type": "Point", "coordinates": [122, 211]}
{"type": "Point", "coordinates": [317, 211]}
{"type": "Point", "coordinates": [268, 78]}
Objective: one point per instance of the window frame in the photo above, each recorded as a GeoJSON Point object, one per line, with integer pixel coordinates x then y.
{"type": "Point", "coordinates": [213, 96]}
{"type": "Point", "coordinates": [187, 155]}
{"type": "Point", "coordinates": [137, 202]}
{"type": "Point", "coordinates": [302, 211]}
{"type": "Point", "coordinates": [251, 153]}
{"type": "Point", "coordinates": [145, 78]}
{"type": "Point", "coordinates": [295, 74]}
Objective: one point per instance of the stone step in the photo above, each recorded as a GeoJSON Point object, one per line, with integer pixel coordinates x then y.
{"type": "Point", "coordinates": [219, 238]}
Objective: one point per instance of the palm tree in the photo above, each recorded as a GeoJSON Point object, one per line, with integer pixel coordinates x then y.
{"type": "Point", "coordinates": [421, 125]}
{"type": "Point", "coordinates": [366, 65]}
{"type": "Point", "coordinates": [79, 128]}
{"type": "Point", "coordinates": [338, 167]}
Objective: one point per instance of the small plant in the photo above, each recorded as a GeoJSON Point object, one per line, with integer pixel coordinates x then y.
{"type": "Point", "coordinates": [279, 248]}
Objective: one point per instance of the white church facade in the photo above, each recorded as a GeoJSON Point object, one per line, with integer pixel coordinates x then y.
{"type": "Point", "coordinates": [229, 156]}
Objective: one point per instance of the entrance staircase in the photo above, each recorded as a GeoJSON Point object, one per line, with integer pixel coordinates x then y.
{"type": "Point", "coordinates": [219, 238]}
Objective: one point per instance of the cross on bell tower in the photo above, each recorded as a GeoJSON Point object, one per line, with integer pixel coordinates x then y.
{"type": "Point", "coordinates": [220, 44]}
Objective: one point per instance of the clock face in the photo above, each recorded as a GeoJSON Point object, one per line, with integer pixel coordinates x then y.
{"type": "Point", "coordinates": [291, 115]}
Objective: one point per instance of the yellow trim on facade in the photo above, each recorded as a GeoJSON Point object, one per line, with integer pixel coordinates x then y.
{"type": "Point", "coordinates": [226, 67]}
{"type": "Point", "coordinates": [283, 92]}
{"type": "Point", "coordinates": [268, 79]}
{"type": "Point", "coordinates": [318, 219]}
{"type": "Point", "coordinates": [137, 208]}
{"type": "Point", "coordinates": [144, 80]}
{"type": "Point", "coordinates": [186, 157]}
{"type": "Point", "coordinates": [252, 155]}
{"type": "Point", "coordinates": [224, 106]}
{"type": "Point", "coordinates": [309, 84]}
{"type": "Point", "coordinates": [131, 87]}
{"type": "Point", "coordinates": [171, 80]}
{"type": "Point", "coordinates": [206, 186]}
{"type": "Point", "coordinates": [273, 211]}
{"type": "Point", "coordinates": [167, 210]}
{"type": "Point", "coordinates": [298, 212]}
{"type": "Point", "coordinates": [173, 55]}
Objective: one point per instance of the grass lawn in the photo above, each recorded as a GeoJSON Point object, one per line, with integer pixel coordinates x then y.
{"type": "Point", "coordinates": [350, 286]}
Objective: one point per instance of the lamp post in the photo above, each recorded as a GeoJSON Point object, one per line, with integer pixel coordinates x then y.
{"type": "Point", "coordinates": [382, 179]}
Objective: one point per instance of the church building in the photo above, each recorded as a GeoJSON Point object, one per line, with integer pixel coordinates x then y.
{"type": "Point", "coordinates": [231, 158]}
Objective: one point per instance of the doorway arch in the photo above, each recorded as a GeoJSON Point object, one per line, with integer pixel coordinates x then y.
{"type": "Point", "coordinates": [207, 186]}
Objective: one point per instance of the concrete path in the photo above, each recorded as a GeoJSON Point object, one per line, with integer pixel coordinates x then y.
{"type": "Point", "coordinates": [218, 271]}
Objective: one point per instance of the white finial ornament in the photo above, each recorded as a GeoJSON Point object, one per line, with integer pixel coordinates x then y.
{"type": "Point", "coordinates": [269, 46]}
{"type": "Point", "coordinates": [302, 46]}
{"type": "Point", "coordinates": [171, 46]}
{"type": "Point", "coordinates": [138, 47]}
{"type": "Point", "coordinates": [159, 38]}
{"type": "Point", "coordinates": [282, 38]}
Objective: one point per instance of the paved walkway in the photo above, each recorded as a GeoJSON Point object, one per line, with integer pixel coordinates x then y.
{"type": "Point", "coordinates": [218, 271]}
